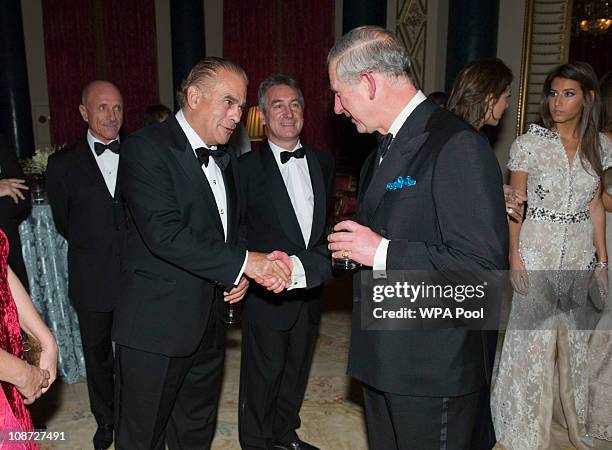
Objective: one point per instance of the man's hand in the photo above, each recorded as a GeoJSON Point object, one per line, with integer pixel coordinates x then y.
{"type": "Point", "coordinates": [12, 187]}
{"type": "Point", "coordinates": [272, 272]}
{"type": "Point", "coordinates": [238, 292]}
{"type": "Point", "coordinates": [515, 201]}
{"type": "Point", "coordinates": [273, 284]}
{"type": "Point", "coordinates": [358, 241]}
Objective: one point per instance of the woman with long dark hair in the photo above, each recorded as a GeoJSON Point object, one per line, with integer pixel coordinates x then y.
{"type": "Point", "coordinates": [480, 92]}
{"type": "Point", "coordinates": [480, 97]}
{"type": "Point", "coordinates": [539, 398]}
{"type": "Point", "coordinates": [599, 422]}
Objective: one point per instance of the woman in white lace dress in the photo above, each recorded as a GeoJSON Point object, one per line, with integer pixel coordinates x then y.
{"type": "Point", "coordinates": [600, 362]}
{"type": "Point", "coordinates": [539, 398]}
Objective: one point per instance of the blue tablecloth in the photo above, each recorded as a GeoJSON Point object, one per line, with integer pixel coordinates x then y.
{"type": "Point", "coordinates": [44, 253]}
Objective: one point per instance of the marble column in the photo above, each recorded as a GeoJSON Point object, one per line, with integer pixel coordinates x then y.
{"type": "Point", "coordinates": [472, 34]}
{"type": "Point", "coordinates": [15, 109]}
{"type": "Point", "coordinates": [188, 40]}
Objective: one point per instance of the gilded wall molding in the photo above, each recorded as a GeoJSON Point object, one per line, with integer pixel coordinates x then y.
{"type": "Point", "coordinates": [411, 28]}
{"type": "Point", "coordinates": [545, 45]}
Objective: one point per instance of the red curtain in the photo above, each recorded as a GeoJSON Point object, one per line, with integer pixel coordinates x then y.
{"type": "Point", "coordinates": [90, 39]}
{"type": "Point", "coordinates": [70, 60]}
{"type": "Point", "coordinates": [131, 56]}
{"type": "Point", "coordinates": [270, 36]}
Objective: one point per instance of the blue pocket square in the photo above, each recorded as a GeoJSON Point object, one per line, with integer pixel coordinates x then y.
{"type": "Point", "coordinates": [401, 183]}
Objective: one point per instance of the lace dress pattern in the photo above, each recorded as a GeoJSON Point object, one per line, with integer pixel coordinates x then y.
{"type": "Point", "coordinates": [556, 238]}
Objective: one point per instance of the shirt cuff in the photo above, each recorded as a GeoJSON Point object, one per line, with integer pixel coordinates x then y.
{"type": "Point", "coordinates": [380, 259]}
{"type": "Point", "coordinates": [246, 257]}
{"type": "Point", "coordinates": [298, 274]}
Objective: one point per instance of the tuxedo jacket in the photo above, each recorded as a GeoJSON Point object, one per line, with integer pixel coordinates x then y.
{"type": "Point", "coordinates": [270, 223]}
{"type": "Point", "coordinates": [453, 219]}
{"type": "Point", "coordinates": [11, 213]}
{"type": "Point", "coordinates": [92, 222]}
{"type": "Point", "coordinates": [175, 260]}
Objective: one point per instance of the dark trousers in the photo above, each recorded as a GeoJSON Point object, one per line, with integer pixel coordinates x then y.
{"type": "Point", "coordinates": [273, 379]}
{"type": "Point", "coordinates": [170, 400]}
{"type": "Point", "coordinates": [402, 422]}
{"type": "Point", "coordinates": [99, 362]}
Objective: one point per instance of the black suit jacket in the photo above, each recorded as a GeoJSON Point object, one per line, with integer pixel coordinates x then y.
{"type": "Point", "coordinates": [270, 223]}
{"type": "Point", "coordinates": [175, 259]}
{"type": "Point", "coordinates": [11, 213]}
{"type": "Point", "coordinates": [452, 220]}
{"type": "Point", "coordinates": [92, 222]}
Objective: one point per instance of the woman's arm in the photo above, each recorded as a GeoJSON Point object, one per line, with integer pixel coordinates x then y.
{"type": "Point", "coordinates": [29, 380]}
{"type": "Point", "coordinates": [598, 219]}
{"type": "Point", "coordinates": [518, 276]}
{"type": "Point", "coordinates": [518, 182]}
{"type": "Point", "coordinates": [31, 323]}
{"type": "Point", "coordinates": [607, 201]}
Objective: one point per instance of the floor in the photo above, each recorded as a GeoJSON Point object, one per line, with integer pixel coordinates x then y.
{"type": "Point", "coordinates": [331, 415]}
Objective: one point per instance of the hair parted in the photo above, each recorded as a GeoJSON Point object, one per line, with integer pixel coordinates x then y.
{"type": "Point", "coordinates": [477, 89]}
{"type": "Point", "coordinates": [605, 86]}
{"type": "Point", "coordinates": [369, 49]}
{"type": "Point", "coordinates": [588, 128]}
{"type": "Point", "coordinates": [276, 80]}
{"type": "Point", "coordinates": [204, 71]}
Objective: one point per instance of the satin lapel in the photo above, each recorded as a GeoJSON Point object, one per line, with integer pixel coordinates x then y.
{"type": "Point", "coordinates": [320, 197]}
{"type": "Point", "coordinates": [91, 171]}
{"type": "Point", "coordinates": [365, 177]}
{"type": "Point", "coordinates": [184, 155]}
{"type": "Point", "coordinates": [393, 165]}
{"type": "Point", "coordinates": [229, 179]}
{"type": "Point", "coordinates": [277, 190]}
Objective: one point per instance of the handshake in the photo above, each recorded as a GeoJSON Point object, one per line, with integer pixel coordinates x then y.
{"type": "Point", "coordinates": [272, 270]}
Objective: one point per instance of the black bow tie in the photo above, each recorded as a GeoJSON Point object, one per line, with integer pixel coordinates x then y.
{"type": "Point", "coordinates": [113, 146]}
{"type": "Point", "coordinates": [286, 156]}
{"type": "Point", "coordinates": [220, 155]}
{"type": "Point", "coordinates": [384, 142]}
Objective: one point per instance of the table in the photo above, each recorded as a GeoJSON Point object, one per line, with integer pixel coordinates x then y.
{"type": "Point", "coordinates": [45, 256]}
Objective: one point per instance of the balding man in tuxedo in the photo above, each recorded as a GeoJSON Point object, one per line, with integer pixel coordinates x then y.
{"type": "Point", "coordinates": [84, 196]}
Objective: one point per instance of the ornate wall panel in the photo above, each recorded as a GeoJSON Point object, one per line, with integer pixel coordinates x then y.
{"type": "Point", "coordinates": [545, 46]}
{"type": "Point", "coordinates": [412, 30]}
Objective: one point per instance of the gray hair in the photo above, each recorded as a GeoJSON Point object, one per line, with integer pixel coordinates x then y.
{"type": "Point", "coordinates": [369, 49]}
{"type": "Point", "coordinates": [276, 80]}
{"type": "Point", "coordinates": [203, 72]}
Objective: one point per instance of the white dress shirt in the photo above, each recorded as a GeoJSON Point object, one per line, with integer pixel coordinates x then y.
{"type": "Point", "coordinates": [213, 175]}
{"type": "Point", "coordinates": [380, 257]}
{"type": "Point", "coordinates": [107, 162]}
{"type": "Point", "coordinates": [296, 177]}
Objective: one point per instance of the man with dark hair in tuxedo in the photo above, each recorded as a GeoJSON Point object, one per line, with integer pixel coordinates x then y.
{"type": "Point", "coordinates": [84, 195]}
{"type": "Point", "coordinates": [287, 188]}
{"type": "Point", "coordinates": [14, 206]}
{"type": "Point", "coordinates": [181, 262]}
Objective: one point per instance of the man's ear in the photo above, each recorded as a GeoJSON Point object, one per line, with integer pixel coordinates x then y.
{"type": "Point", "coordinates": [193, 96]}
{"type": "Point", "coordinates": [83, 112]}
{"type": "Point", "coordinates": [262, 117]}
{"type": "Point", "coordinates": [370, 82]}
